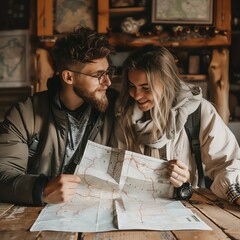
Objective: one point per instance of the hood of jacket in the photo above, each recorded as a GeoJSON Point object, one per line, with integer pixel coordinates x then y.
{"type": "Point", "coordinates": [187, 101]}
{"type": "Point", "coordinates": [53, 85]}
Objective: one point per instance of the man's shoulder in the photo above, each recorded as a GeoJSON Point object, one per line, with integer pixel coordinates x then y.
{"type": "Point", "coordinates": [41, 97]}
{"type": "Point", "coordinates": [40, 94]}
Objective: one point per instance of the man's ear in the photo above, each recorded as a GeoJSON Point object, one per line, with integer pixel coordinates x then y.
{"type": "Point", "coordinates": [67, 76]}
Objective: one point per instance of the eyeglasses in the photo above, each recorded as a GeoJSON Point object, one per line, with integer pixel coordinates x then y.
{"type": "Point", "coordinates": [110, 72]}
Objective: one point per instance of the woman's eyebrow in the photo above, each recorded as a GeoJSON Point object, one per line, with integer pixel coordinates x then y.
{"type": "Point", "coordinates": [144, 84]}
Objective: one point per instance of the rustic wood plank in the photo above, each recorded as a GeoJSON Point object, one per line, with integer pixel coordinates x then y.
{"type": "Point", "coordinates": [222, 218]}
{"type": "Point", "coordinates": [232, 208]}
{"type": "Point", "coordinates": [217, 232]}
{"type": "Point", "coordinates": [15, 222]}
{"type": "Point", "coordinates": [57, 235]}
{"type": "Point", "coordinates": [223, 16]}
{"type": "Point", "coordinates": [219, 82]}
{"type": "Point", "coordinates": [103, 16]}
{"type": "Point", "coordinates": [4, 207]}
{"type": "Point", "coordinates": [127, 41]}
{"type": "Point", "coordinates": [12, 220]}
{"type": "Point", "coordinates": [26, 235]}
{"type": "Point", "coordinates": [129, 235]}
{"type": "Point", "coordinates": [45, 17]}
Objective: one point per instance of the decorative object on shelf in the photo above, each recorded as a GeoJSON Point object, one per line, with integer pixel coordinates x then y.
{"type": "Point", "coordinates": [131, 26]}
{"type": "Point", "coordinates": [185, 32]}
{"type": "Point", "coordinates": [236, 22]}
{"type": "Point", "coordinates": [185, 12]}
{"type": "Point", "coordinates": [193, 64]}
{"type": "Point", "coordinates": [14, 50]}
{"type": "Point", "coordinates": [158, 29]}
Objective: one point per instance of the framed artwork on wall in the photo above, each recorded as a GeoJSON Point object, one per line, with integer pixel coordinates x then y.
{"type": "Point", "coordinates": [182, 11]}
{"type": "Point", "coordinates": [14, 58]}
{"type": "Point", "coordinates": [71, 13]}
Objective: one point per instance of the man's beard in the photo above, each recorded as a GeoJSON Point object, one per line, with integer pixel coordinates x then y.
{"type": "Point", "coordinates": [100, 104]}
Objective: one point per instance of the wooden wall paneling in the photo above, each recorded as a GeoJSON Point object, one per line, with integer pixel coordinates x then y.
{"type": "Point", "coordinates": [103, 16]}
{"type": "Point", "coordinates": [223, 17]}
{"type": "Point", "coordinates": [219, 82]}
{"type": "Point", "coordinates": [45, 17]}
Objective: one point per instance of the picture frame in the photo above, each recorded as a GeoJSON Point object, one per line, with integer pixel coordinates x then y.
{"type": "Point", "coordinates": [71, 13]}
{"type": "Point", "coordinates": [15, 53]}
{"type": "Point", "coordinates": [182, 11]}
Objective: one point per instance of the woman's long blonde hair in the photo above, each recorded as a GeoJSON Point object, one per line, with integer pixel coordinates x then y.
{"type": "Point", "coordinates": [159, 65]}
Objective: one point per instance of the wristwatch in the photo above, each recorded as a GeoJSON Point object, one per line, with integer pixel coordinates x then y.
{"type": "Point", "coordinates": [184, 192]}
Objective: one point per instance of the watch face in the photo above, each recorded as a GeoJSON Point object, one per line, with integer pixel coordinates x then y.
{"type": "Point", "coordinates": [184, 192]}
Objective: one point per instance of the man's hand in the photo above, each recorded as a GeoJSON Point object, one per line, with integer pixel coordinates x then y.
{"type": "Point", "coordinates": [61, 189]}
{"type": "Point", "coordinates": [178, 172]}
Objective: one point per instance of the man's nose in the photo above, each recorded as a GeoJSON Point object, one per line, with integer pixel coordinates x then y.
{"type": "Point", "coordinates": [106, 80]}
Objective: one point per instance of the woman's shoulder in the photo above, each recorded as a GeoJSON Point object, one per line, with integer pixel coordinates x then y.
{"type": "Point", "coordinates": [207, 106]}
{"type": "Point", "coordinates": [209, 113]}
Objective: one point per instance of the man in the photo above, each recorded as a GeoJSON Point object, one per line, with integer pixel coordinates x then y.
{"type": "Point", "coordinates": [43, 138]}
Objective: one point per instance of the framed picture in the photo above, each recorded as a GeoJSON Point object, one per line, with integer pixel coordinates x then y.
{"type": "Point", "coordinates": [71, 13]}
{"type": "Point", "coordinates": [182, 11]}
{"type": "Point", "coordinates": [14, 58]}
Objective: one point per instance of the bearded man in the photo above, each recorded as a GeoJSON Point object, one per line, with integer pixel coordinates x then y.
{"type": "Point", "coordinates": [43, 138]}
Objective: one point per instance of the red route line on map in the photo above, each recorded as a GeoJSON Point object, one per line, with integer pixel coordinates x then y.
{"type": "Point", "coordinates": [137, 164]}
{"type": "Point", "coordinates": [90, 185]}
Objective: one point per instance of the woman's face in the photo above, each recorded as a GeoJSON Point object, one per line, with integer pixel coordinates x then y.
{"type": "Point", "coordinates": [139, 89]}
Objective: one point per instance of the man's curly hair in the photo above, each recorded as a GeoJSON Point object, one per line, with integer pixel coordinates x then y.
{"type": "Point", "coordinates": [81, 45]}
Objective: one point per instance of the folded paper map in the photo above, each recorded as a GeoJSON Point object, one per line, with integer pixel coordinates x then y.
{"type": "Point", "coordinates": [119, 190]}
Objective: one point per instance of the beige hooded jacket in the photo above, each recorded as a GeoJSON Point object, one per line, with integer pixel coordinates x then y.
{"type": "Point", "coordinates": [219, 148]}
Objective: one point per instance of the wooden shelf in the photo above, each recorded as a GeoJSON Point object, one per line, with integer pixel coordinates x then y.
{"type": "Point", "coordinates": [194, 77]}
{"type": "Point", "coordinates": [127, 10]}
{"type": "Point", "coordinates": [127, 41]}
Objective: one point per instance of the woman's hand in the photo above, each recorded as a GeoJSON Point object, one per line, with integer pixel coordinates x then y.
{"type": "Point", "coordinates": [61, 189]}
{"type": "Point", "coordinates": [178, 172]}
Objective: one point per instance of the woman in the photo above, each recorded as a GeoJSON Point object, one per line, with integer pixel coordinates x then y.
{"type": "Point", "coordinates": [151, 113]}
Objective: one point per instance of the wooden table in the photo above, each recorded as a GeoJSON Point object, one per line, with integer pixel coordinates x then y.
{"type": "Point", "coordinates": [221, 216]}
{"type": "Point", "coordinates": [15, 222]}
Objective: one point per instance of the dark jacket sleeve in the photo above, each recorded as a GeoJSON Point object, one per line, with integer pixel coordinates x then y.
{"type": "Point", "coordinates": [15, 185]}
